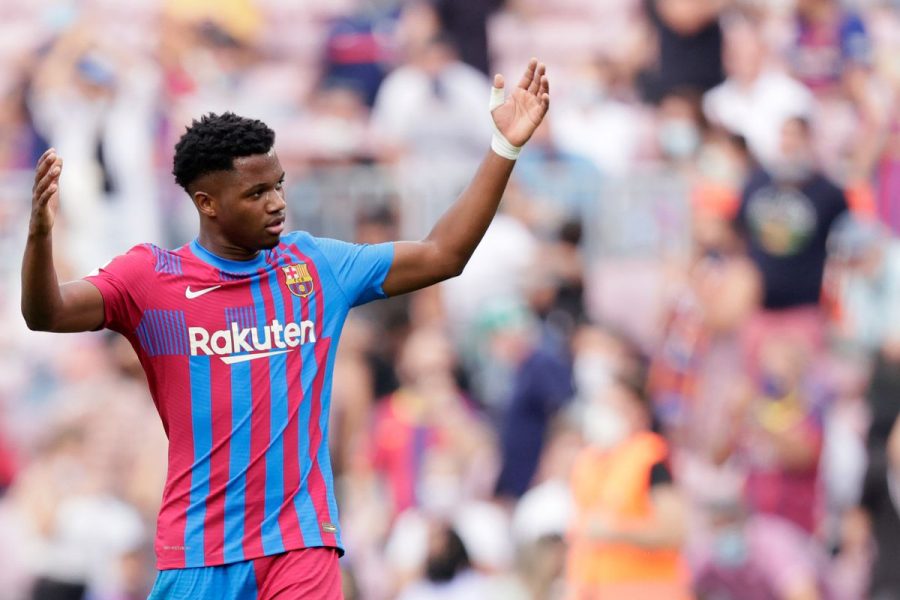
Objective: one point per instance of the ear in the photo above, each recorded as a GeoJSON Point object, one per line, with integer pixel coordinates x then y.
{"type": "Point", "coordinates": [205, 203]}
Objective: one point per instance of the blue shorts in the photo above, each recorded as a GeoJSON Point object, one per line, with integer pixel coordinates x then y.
{"type": "Point", "coordinates": [309, 573]}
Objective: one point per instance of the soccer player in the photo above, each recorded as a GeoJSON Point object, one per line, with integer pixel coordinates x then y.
{"type": "Point", "coordinates": [237, 332]}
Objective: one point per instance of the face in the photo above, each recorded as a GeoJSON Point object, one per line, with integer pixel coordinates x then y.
{"type": "Point", "coordinates": [744, 53]}
{"type": "Point", "coordinates": [246, 205]}
{"type": "Point", "coordinates": [795, 140]}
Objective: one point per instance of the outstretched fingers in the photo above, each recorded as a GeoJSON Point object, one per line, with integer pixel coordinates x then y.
{"type": "Point", "coordinates": [528, 77]}
{"type": "Point", "coordinates": [47, 185]}
{"type": "Point", "coordinates": [544, 92]}
{"type": "Point", "coordinates": [45, 162]}
{"type": "Point", "coordinates": [537, 79]}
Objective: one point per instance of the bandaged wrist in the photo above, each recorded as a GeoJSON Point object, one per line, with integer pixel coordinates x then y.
{"type": "Point", "coordinates": [499, 144]}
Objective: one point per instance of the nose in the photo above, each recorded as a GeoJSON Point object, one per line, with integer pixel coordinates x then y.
{"type": "Point", "coordinates": [275, 201]}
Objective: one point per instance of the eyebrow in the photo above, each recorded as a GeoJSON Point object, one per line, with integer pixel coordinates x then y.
{"type": "Point", "coordinates": [260, 186]}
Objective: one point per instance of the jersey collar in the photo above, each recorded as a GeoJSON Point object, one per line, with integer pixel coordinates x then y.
{"type": "Point", "coordinates": [227, 265]}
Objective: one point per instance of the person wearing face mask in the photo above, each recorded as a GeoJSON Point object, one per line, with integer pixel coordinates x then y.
{"type": "Point", "coordinates": [786, 214]}
{"type": "Point", "coordinates": [628, 526]}
{"type": "Point", "coordinates": [680, 129]}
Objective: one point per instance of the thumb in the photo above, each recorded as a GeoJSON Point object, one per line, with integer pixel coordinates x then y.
{"type": "Point", "coordinates": [497, 94]}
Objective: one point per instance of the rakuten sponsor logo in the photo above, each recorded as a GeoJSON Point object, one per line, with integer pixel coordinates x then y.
{"type": "Point", "coordinates": [239, 345]}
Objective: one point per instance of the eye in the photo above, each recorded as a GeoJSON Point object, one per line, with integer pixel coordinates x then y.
{"type": "Point", "coordinates": [280, 185]}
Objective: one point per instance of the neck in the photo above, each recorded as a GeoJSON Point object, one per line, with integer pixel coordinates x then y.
{"type": "Point", "coordinates": [217, 244]}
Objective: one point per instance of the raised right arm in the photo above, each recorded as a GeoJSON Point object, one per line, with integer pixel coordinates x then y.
{"type": "Point", "coordinates": [47, 305]}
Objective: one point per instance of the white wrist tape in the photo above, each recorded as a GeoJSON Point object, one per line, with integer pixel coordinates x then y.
{"type": "Point", "coordinates": [499, 143]}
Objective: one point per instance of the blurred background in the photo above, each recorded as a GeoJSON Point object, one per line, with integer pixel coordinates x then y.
{"type": "Point", "coordinates": [671, 369]}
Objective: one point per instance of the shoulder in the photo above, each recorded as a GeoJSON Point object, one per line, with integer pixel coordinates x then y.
{"type": "Point", "coordinates": [824, 187]}
{"type": "Point", "coordinates": [758, 179]}
{"type": "Point", "coordinates": [778, 83]}
{"type": "Point", "coordinates": [312, 246]}
{"type": "Point", "coordinates": [137, 259]}
{"type": "Point", "coordinates": [722, 93]}
{"type": "Point", "coordinates": [401, 77]}
{"type": "Point", "coordinates": [297, 238]}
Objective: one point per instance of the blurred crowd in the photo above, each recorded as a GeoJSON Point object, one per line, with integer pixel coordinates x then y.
{"type": "Point", "coordinates": [569, 419]}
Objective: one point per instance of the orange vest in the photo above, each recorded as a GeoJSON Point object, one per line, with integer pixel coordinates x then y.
{"type": "Point", "coordinates": [616, 483]}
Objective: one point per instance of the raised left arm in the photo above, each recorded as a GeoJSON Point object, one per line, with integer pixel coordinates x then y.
{"type": "Point", "coordinates": [447, 249]}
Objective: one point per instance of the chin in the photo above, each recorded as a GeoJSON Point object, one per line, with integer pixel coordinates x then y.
{"type": "Point", "coordinates": [269, 243]}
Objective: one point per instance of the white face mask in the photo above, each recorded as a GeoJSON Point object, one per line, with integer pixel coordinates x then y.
{"type": "Point", "coordinates": [604, 426]}
{"type": "Point", "coordinates": [679, 138]}
{"type": "Point", "coordinates": [593, 372]}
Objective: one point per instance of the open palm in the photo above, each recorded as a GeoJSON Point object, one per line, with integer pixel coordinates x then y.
{"type": "Point", "coordinates": [524, 109]}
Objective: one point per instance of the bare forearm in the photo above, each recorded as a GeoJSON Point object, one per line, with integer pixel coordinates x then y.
{"type": "Point", "coordinates": [41, 297]}
{"type": "Point", "coordinates": [450, 245]}
{"type": "Point", "coordinates": [460, 229]}
{"type": "Point", "coordinates": [46, 305]}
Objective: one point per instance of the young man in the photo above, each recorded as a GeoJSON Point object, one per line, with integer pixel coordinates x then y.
{"type": "Point", "coordinates": [237, 332]}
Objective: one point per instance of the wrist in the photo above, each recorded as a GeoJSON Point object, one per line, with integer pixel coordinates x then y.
{"type": "Point", "coordinates": [501, 146]}
{"type": "Point", "coordinates": [39, 231]}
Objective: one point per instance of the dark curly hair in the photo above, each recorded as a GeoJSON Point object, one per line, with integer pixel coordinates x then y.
{"type": "Point", "coordinates": [212, 143]}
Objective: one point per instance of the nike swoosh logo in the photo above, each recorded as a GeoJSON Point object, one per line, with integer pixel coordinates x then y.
{"type": "Point", "coordinates": [190, 294]}
{"type": "Point", "coordinates": [239, 358]}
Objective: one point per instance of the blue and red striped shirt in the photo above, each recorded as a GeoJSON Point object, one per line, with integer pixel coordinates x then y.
{"type": "Point", "coordinates": [239, 358]}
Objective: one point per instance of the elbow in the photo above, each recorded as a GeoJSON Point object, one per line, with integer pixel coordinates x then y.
{"type": "Point", "coordinates": [449, 266]}
{"type": "Point", "coordinates": [456, 269]}
{"type": "Point", "coordinates": [444, 261]}
{"type": "Point", "coordinates": [36, 322]}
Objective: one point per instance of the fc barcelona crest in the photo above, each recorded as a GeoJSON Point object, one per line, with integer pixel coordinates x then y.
{"type": "Point", "coordinates": [298, 279]}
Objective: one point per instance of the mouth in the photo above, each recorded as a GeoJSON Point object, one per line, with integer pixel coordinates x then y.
{"type": "Point", "coordinates": [275, 227]}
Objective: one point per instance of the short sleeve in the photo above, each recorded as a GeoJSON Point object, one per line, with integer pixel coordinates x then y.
{"type": "Point", "coordinates": [360, 269]}
{"type": "Point", "coordinates": [121, 282]}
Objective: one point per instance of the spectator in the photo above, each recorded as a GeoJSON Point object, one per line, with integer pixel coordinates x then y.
{"type": "Point", "coordinates": [357, 52]}
{"type": "Point", "coordinates": [427, 412]}
{"type": "Point", "coordinates": [466, 22]}
{"type": "Point", "coordinates": [448, 575]}
{"type": "Point", "coordinates": [697, 371]}
{"type": "Point", "coordinates": [95, 102]}
{"type": "Point", "coordinates": [830, 47]}
{"type": "Point", "coordinates": [756, 98]}
{"type": "Point", "coordinates": [758, 557]}
{"type": "Point", "coordinates": [881, 516]}
{"type": "Point", "coordinates": [629, 517]}
{"type": "Point", "coordinates": [689, 41]}
{"type": "Point", "coordinates": [777, 433]}
{"type": "Point", "coordinates": [869, 289]}
{"type": "Point", "coordinates": [786, 216]}
{"type": "Point", "coordinates": [887, 177]}
{"type": "Point", "coordinates": [540, 522]}
{"type": "Point", "coordinates": [680, 128]}
{"type": "Point", "coordinates": [541, 386]}
{"type": "Point", "coordinates": [594, 122]}
{"type": "Point", "coordinates": [431, 105]}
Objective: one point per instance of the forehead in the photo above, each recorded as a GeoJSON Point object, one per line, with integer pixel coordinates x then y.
{"type": "Point", "coordinates": [260, 167]}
